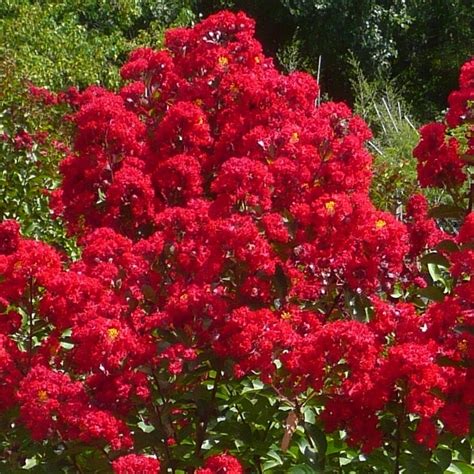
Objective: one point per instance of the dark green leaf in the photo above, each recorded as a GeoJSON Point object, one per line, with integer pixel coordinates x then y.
{"type": "Point", "coordinates": [446, 210]}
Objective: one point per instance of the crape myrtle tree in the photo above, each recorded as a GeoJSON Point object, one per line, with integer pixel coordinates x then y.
{"type": "Point", "coordinates": [239, 304]}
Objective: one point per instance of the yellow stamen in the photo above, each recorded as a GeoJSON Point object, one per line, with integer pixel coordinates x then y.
{"type": "Point", "coordinates": [223, 61]}
{"type": "Point", "coordinates": [285, 315]}
{"type": "Point", "coordinates": [42, 395]}
{"type": "Point", "coordinates": [330, 207]}
{"type": "Point", "coordinates": [112, 333]}
{"type": "Point", "coordinates": [257, 60]}
{"type": "Point", "coordinates": [380, 223]}
{"type": "Point", "coordinates": [295, 138]}
{"type": "Point", "coordinates": [198, 102]}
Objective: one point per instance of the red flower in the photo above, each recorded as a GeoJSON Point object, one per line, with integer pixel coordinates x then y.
{"type": "Point", "coordinates": [136, 464]}
{"type": "Point", "coordinates": [438, 158]}
{"type": "Point", "coordinates": [221, 464]}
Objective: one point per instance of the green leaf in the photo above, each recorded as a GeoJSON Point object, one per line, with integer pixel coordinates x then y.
{"type": "Point", "coordinates": [432, 293]}
{"type": "Point", "coordinates": [464, 448]}
{"type": "Point", "coordinates": [411, 464]}
{"type": "Point", "coordinates": [318, 437]}
{"type": "Point", "coordinates": [269, 465]}
{"type": "Point", "coordinates": [446, 210]}
{"type": "Point", "coordinates": [309, 416]}
{"type": "Point", "coordinates": [301, 469]}
{"type": "Point", "coordinates": [145, 428]}
{"type": "Point", "coordinates": [30, 463]}
{"type": "Point", "coordinates": [459, 467]}
{"type": "Point", "coordinates": [381, 461]}
{"type": "Point", "coordinates": [435, 258]}
{"type": "Point", "coordinates": [334, 446]}
{"type": "Point", "coordinates": [443, 457]}
{"type": "Point", "coordinates": [274, 461]}
{"type": "Point", "coordinates": [448, 245]}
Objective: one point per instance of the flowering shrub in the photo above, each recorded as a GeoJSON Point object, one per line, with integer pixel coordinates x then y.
{"type": "Point", "coordinates": [237, 292]}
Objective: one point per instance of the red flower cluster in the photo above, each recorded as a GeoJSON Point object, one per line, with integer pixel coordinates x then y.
{"type": "Point", "coordinates": [441, 157]}
{"type": "Point", "coordinates": [136, 464]}
{"type": "Point", "coordinates": [423, 231]}
{"type": "Point", "coordinates": [222, 212]}
{"type": "Point", "coordinates": [53, 405]}
{"type": "Point", "coordinates": [221, 464]}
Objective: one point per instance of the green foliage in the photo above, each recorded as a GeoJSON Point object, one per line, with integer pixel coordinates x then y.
{"type": "Point", "coordinates": [291, 58]}
{"type": "Point", "coordinates": [51, 48]}
{"type": "Point", "coordinates": [395, 136]}
{"type": "Point", "coordinates": [24, 173]}
{"type": "Point", "coordinates": [73, 42]}
{"type": "Point", "coordinates": [131, 16]}
{"type": "Point", "coordinates": [438, 39]}
{"type": "Point", "coordinates": [421, 42]}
